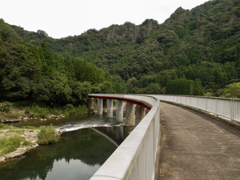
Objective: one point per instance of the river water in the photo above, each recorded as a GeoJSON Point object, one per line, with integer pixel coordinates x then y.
{"type": "Point", "coordinates": [87, 144]}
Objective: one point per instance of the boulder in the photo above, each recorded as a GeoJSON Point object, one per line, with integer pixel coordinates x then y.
{"type": "Point", "coordinates": [9, 118]}
{"type": "Point", "coordinates": [30, 115]}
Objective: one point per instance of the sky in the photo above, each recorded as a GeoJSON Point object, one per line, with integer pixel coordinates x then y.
{"type": "Point", "coordinates": [60, 18]}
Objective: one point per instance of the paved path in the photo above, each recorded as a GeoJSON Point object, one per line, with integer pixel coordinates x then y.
{"type": "Point", "coordinates": [195, 146]}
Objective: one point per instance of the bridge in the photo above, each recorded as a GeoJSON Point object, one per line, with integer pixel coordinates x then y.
{"type": "Point", "coordinates": [189, 144]}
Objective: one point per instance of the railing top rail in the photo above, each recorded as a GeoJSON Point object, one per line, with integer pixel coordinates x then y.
{"type": "Point", "coordinates": [120, 163]}
{"type": "Point", "coordinates": [209, 97]}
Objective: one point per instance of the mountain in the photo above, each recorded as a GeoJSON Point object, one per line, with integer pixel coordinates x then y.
{"type": "Point", "coordinates": [202, 43]}
{"type": "Point", "coordinates": [31, 72]}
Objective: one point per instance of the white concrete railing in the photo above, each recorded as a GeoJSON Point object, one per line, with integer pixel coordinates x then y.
{"type": "Point", "coordinates": [226, 107]}
{"type": "Point", "coordinates": [135, 158]}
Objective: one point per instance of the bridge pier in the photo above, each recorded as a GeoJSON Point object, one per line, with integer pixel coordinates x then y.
{"type": "Point", "coordinates": [100, 106]}
{"type": "Point", "coordinates": [140, 114]}
{"type": "Point", "coordinates": [90, 103]}
{"type": "Point", "coordinates": [109, 108]}
{"type": "Point", "coordinates": [130, 114]}
{"type": "Point", "coordinates": [119, 111]}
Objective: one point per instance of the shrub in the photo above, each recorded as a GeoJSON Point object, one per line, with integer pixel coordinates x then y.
{"type": "Point", "coordinates": [27, 143]}
{"type": "Point", "coordinates": [10, 144]}
{"type": "Point", "coordinates": [47, 135]}
{"type": "Point", "coordinates": [69, 107]}
{"type": "Point", "coordinates": [27, 111]}
{"type": "Point", "coordinates": [7, 106]}
{"type": "Point", "coordinates": [40, 112]}
{"type": "Point", "coordinates": [1, 125]}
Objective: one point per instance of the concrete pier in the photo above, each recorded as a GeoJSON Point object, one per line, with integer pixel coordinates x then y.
{"type": "Point", "coordinates": [119, 111]}
{"type": "Point", "coordinates": [109, 108]}
{"type": "Point", "coordinates": [100, 106]}
{"type": "Point", "coordinates": [90, 103]}
{"type": "Point", "coordinates": [140, 114]}
{"type": "Point", "coordinates": [130, 114]}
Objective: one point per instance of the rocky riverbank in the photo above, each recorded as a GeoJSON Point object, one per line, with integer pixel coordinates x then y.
{"type": "Point", "coordinates": [26, 135]}
{"type": "Point", "coordinates": [9, 118]}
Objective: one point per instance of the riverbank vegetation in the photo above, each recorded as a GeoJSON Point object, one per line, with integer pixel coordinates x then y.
{"type": "Point", "coordinates": [12, 138]}
{"type": "Point", "coordinates": [35, 73]}
{"type": "Point", "coordinates": [47, 135]}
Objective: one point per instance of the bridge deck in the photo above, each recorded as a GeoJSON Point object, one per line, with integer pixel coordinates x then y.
{"type": "Point", "coordinates": [195, 146]}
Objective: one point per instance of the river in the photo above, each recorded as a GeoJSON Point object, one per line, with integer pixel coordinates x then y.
{"type": "Point", "coordinates": [88, 142]}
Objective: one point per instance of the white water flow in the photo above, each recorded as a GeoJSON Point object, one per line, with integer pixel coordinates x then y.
{"type": "Point", "coordinates": [94, 121]}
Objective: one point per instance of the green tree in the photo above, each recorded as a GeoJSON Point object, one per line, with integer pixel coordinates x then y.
{"type": "Point", "coordinates": [232, 91]}
{"type": "Point", "coordinates": [197, 88]}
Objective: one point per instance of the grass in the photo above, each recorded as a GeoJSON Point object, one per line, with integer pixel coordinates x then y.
{"type": "Point", "coordinates": [18, 131]}
{"type": "Point", "coordinates": [42, 112]}
{"type": "Point", "coordinates": [4, 126]}
{"type": "Point", "coordinates": [1, 125]}
{"type": "Point", "coordinates": [30, 127]}
{"type": "Point", "coordinates": [27, 143]}
{"type": "Point", "coordinates": [10, 144]}
{"type": "Point", "coordinates": [47, 135]}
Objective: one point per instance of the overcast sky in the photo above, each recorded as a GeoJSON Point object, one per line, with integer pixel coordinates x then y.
{"type": "Point", "coordinates": [60, 18]}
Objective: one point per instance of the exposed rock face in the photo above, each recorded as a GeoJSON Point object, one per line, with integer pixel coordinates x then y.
{"type": "Point", "coordinates": [131, 30]}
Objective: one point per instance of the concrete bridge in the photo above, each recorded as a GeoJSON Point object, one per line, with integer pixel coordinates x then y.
{"type": "Point", "coordinates": [190, 144]}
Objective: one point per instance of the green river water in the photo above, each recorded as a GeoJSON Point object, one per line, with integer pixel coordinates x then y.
{"type": "Point", "coordinates": [78, 155]}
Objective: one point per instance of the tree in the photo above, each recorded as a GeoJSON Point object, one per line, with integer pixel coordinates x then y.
{"type": "Point", "coordinates": [153, 88]}
{"type": "Point", "coordinates": [197, 88]}
{"type": "Point", "coordinates": [69, 67]}
{"type": "Point", "coordinates": [232, 91]}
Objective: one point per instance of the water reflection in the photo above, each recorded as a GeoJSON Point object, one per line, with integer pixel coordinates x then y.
{"type": "Point", "coordinates": [119, 132]}
{"type": "Point", "coordinates": [77, 156]}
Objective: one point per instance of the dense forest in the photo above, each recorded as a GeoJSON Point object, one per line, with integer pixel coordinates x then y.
{"type": "Point", "coordinates": [193, 52]}
{"type": "Point", "coordinates": [34, 72]}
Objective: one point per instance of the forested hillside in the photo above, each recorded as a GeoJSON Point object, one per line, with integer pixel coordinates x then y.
{"type": "Point", "coordinates": [193, 48]}
{"type": "Point", "coordinates": [32, 72]}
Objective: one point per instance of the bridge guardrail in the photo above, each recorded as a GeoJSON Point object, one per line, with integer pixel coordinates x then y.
{"type": "Point", "coordinates": [226, 107]}
{"type": "Point", "coordinates": [135, 158]}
